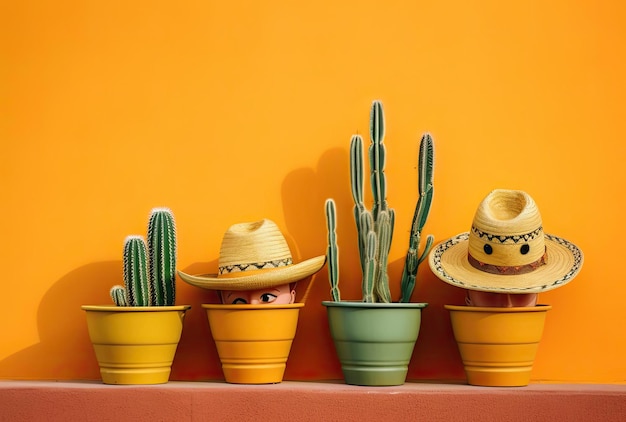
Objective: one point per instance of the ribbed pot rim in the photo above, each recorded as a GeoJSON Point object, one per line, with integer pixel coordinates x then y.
{"type": "Point", "coordinates": [114, 308]}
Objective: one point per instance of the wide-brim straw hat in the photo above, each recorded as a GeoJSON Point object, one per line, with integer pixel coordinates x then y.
{"type": "Point", "coordinates": [506, 250]}
{"type": "Point", "coordinates": [255, 256]}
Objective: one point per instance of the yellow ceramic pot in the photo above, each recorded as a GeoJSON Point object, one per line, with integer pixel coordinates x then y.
{"type": "Point", "coordinates": [135, 345]}
{"type": "Point", "coordinates": [253, 341]}
{"type": "Point", "coordinates": [498, 345]}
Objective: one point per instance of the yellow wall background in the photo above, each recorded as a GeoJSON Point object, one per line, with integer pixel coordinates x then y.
{"type": "Point", "coordinates": [234, 111]}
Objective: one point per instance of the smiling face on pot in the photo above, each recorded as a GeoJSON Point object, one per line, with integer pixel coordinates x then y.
{"type": "Point", "coordinates": [276, 295]}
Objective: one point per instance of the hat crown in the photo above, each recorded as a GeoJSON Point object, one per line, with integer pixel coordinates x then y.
{"type": "Point", "coordinates": [507, 230]}
{"type": "Point", "coordinates": [253, 246]}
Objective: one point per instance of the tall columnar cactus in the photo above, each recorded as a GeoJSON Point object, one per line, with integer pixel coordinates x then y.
{"type": "Point", "coordinates": [333, 249]}
{"type": "Point", "coordinates": [373, 250]}
{"type": "Point", "coordinates": [149, 270]}
{"type": "Point", "coordinates": [162, 251]}
{"type": "Point", "coordinates": [375, 227]}
{"type": "Point", "coordinates": [422, 209]}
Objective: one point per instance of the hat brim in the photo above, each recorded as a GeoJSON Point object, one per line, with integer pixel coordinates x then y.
{"type": "Point", "coordinates": [258, 280]}
{"type": "Point", "coordinates": [448, 261]}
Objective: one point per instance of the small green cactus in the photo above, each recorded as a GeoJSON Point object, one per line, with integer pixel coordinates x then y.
{"type": "Point", "coordinates": [136, 271]}
{"type": "Point", "coordinates": [118, 294]}
{"type": "Point", "coordinates": [375, 227]}
{"type": "Point", "coordinates": [149, 270]}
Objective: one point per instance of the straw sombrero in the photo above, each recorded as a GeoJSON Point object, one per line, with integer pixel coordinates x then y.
{"type": "Point", "coordinates": [506, 250]}
{"type": "Point", "coordinates": [254, 256]}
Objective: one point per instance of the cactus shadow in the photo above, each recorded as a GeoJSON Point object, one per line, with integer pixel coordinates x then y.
{"type": "Point", "coordinates": [303, 193]}
{"type": "Point", "coordinates": [64, 350]}
{"type": "Point", "coordinates": [196, 357]}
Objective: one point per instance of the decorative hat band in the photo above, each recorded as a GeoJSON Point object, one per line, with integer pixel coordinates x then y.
{"type": "Point", "coordinates": [508, 238]}
{"type": "Point", "coordinates": [249, 268]}
{"type": "Point", "coordinates": [507, 270]}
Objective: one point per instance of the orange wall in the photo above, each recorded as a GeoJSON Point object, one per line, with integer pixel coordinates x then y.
{"type": "Point", "coordinates": [228, 113]}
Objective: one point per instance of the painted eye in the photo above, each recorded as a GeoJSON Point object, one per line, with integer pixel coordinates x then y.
{"type": "Point", "coordinates": [239, 301]}
{"type": "Point", "coordinates": [524, 249]}
{"type": "Point", "coordinates": [268, 298]}
{"type": "Point", "coordinates": [488, 249]}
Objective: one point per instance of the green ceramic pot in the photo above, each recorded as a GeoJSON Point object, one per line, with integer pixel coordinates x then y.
{"type": "Point", "coordinates": [374, 341]}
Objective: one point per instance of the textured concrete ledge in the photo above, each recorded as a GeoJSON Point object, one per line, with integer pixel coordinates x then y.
{"type": "Point", "coordinates": [308, 401]}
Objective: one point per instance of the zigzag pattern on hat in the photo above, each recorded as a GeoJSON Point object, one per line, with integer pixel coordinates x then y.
{"type": "Point", "coordinates": [508, 238]}
{"type": "Point", "coordinates": [255, 266]}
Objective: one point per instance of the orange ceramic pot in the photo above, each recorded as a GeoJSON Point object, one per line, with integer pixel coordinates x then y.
{"type": "Point", "coordinates": [253, 341]}
{"type": "Point", "coordinates": [135, 345]}
{"type": "Point", "coordinates": [498, 345]}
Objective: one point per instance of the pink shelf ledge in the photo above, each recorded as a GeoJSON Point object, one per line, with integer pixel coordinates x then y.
{"type": "Point", "coordinates": [308, 401]}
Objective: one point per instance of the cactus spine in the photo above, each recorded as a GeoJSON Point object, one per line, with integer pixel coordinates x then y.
{"type": "Point", "coordinates": [375, 227]}
{"type": "Point", "coordinates": [149, 270]}
{"type": "Point", "coordinates": [162, 251]}
{"type": "Point", "coordinates": [422, 209]}
{"type": "Point", "coordinates": [333, 249]}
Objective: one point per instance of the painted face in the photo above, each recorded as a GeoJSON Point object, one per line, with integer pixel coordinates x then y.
{"type": "Point", "coordinates": [278, 295]}
{"type": "Point", "coordinates": [502, 300]}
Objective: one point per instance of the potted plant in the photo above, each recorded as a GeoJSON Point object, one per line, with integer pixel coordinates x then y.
{"type": "Point", "coordinates": [374, 338]}
{"type": "Point", "coordinates": [503, 262]}
{"type": "Point", "coordinates": [136, 338]}
{"type": "Point", "coordinates": [254, 326]}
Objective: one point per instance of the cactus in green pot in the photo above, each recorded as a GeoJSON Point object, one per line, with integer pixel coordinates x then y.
{"type": "Point", "coordinates": [333, 249]}
{"type": "Point", "coordinates": [150, 269]}
{"type": "Point", "coordinates": [375, 226]}
{"type": "Point", "coordinates": [422, 209]}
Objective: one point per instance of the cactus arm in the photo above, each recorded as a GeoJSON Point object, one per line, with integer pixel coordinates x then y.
{"type": "Point", "coordinates": [429, 244]}
{"type": "Point", "coordinates": [333, 249]}
{"type": "Point", "coordinates": [162, 251]}
{"type": "Point", "coordinates": [377, 158]}
{"type": "Point", "coordinates": [356, 169]}
{"type": "Point", "coordinates": [135, 271]}
{"type": "Point", "coordinates": [383, 232]}
{"type": "Point", "coordinates": [425, 181]}
{"type": "Point", "coordinates": [377, 121]}
{"type": "Point", "coordinates": [422, 209]}
{"type": "Point", "coordinates": [357, 187]}
{"type": "Point", "coordinates": [118, 294]}
{"type": "Point", "coordinates": [369, 268]}
{"type": "Point", "coordinates": [426, 164]}
{"type": "Point", "coordinates": [408, 275]}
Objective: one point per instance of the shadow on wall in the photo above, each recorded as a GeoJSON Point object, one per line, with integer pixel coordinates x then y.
{"type": "Point", "coordinates": [304, 192]}
{"type": "Point", "coordinates": [64, 350]}
{"type": "Point", "coordinates": [196, 357]}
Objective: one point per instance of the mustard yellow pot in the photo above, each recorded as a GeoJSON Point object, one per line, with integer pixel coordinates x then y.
{"type": "Point", "coordinates": [135, 345]}
{"type": "Point", "coordinates": [498, 345]}
{"type": "Point", "coordinates": [253, 341]}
